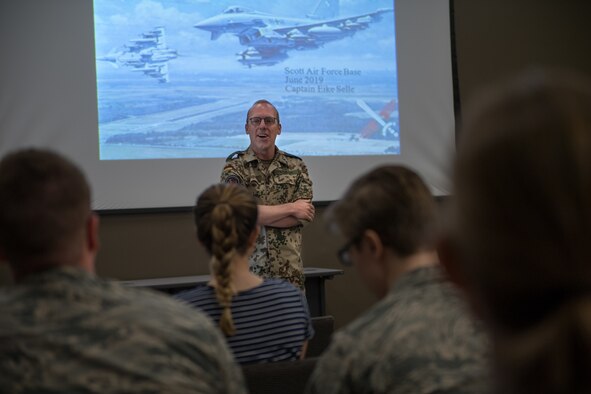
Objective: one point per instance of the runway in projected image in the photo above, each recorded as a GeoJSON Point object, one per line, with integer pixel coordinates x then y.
{"type": "Point", "coordinates": [175, 79]}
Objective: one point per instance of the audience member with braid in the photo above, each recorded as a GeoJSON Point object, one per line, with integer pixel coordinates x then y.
{"type": "Point", "coordinates": [263, 319]}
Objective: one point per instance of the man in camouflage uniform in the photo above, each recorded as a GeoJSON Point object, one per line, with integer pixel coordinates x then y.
{"type": "Point", "coordinates": [419, 338]}
{"type": "Point", "coordinates": [281, 184]}
{"type": "Point", "coordinates": [64, 330]}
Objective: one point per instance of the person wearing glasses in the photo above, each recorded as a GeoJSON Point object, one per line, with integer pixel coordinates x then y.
{"type": "Point", "coordinates": [283, 189]}
{"type": "Point", "coordinates": [419, 338]}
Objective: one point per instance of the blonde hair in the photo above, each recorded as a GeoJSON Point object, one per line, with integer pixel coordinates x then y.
{"type": "Point", "coordinates": [225, 216]}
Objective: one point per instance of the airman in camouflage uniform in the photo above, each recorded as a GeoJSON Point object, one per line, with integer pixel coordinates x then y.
{"type": "Point", "coordinates": [420, 337]}
{"type": "Point", "coordinates": [67, 331]}
{"type": "Point", "coordinates": [64, 330]}
{"type": "Point", "coordinates": [283, 188]}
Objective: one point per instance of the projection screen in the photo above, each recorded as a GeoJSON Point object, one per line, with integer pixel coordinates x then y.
{"type": "Point", "coordinates": [149, 97]}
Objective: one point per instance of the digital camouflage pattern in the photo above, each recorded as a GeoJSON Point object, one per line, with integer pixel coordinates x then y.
{"type": "Point", "coordinates": [67, 331]}
{"type": "Point", "coordinates": [278, 250]}
{"type": "Point", "coordinates": [418, 339]}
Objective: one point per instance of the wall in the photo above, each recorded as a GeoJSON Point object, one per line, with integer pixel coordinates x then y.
{"type": "Point", "coordinates": [495, 39]}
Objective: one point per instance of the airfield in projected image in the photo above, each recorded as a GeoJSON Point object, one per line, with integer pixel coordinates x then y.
{"type": "Point", "coordinates": [175, 79]}
{"type": "Point", "coordinates": [296, 143]}
{"type": "Point", "coordinates": [214, 126]}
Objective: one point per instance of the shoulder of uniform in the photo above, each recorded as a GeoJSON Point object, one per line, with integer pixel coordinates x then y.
{"type": "Point", "coordinates": [292, 156]}
{"type": "Point", "coordinates": [235, 155]}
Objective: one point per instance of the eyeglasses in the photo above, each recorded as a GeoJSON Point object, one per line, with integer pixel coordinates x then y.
{"type": "Point", "coordinates": [343, 253]}
{"type": "Point", "coordinates": [269, 120]}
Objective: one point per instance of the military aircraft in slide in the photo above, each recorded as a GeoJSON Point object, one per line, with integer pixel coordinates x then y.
{"type": "Point", "coordinates": [388, 129]}
{"type": "Point", "coordinates": [148, 54]}
{"type": "Point", "coordinates": [268, 37]}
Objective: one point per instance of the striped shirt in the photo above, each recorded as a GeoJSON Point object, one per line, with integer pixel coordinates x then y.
{"type": "Point", "coordinates": [272, 320]}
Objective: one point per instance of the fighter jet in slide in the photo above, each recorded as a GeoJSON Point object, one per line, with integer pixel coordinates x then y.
{"type": "Point", "coordinates": [269, 37]}
{"type": "Point", "coordinates": [148, 54]}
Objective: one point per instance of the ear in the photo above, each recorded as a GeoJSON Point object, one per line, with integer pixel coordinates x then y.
{"type": "Point", "coordinates": [373, 263]}
{"type": "Point", "coordinates": [279, 127]}
{"type": "Point", "coordinates": [92, 233]}
{"type": "Point", "coordinates": [373, 242]}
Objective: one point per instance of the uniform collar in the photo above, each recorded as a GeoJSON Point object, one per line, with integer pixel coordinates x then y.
{"type": "Point", "coordinates": [250, 156]}
{"type": "Point", "coordinates": [57, 273]}
{"type": "Point", "coordinates": [417, 278]}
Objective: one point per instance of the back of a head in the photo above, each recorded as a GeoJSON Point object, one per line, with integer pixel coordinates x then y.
{"type": "Point", "coordinates": [225, 217]}
{"type": "Point", "coordinates": [45, 202]}
{"type": "Point", "coordinates": [523, 220]}
{"type": "Point", "coordinates": [394, 202]}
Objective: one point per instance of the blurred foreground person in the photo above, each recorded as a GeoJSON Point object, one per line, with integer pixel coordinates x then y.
{"type": "Point", "coordinates": [418, 338]}
{"type": "Point", "coordinates": [263, 319]}
{"type": "Point", "coordinates": [64, 330]}
{"type": "Point", "coordinates": [521, 227]}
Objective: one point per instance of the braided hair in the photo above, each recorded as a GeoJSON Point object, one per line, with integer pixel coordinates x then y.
{"type": "Point", "coordinates": [225, 217]}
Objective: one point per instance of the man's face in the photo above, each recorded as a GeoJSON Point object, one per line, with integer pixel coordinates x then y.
{"type": "Point", "coordinates": [263, 136]}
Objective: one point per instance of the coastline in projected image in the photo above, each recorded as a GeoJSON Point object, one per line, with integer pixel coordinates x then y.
{"type": "Point", "coordinates": [169, 89]}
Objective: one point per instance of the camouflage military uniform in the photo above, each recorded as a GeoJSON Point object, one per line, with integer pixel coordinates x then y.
{"type": "Point", "coordinates": [67, 331]}
{"type": "Point", "coordinates": [418, 339]}
{"type": "Point", "coordinates": [278, 250]}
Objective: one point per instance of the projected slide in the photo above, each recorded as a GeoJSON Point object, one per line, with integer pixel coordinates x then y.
{"type": "Point", "coordinates": [175, 78]}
